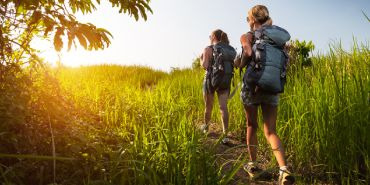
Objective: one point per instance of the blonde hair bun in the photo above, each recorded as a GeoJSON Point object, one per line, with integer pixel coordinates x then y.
{"type": "Point", "coordinates": [260, 14]}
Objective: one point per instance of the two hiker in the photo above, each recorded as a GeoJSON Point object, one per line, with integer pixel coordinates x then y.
{"type": "Point", "coordinates": [264, 61]}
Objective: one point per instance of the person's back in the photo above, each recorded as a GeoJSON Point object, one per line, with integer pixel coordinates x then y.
{"type": "Point", "coordinates": [268, 64]}
{"type": "Point", "coordinates": [221, 69]}
{"type": "Point", "coordinates": [254, 95]}
{"type": "Point", "coordinates": [217, 60]}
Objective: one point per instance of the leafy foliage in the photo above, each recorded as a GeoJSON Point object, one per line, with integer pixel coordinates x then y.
{"type": "Point", "coordinates": [196, 63]}
{"type": "Point", "coordinates": [299, 52]}
{"type": "Point", "coordinates": [36, 116]}
{"type": "Point", "coordinates": [22, 20]}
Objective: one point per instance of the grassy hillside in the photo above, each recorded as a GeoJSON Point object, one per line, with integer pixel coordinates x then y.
{"type": "Point", "coordinates": [134, 125]}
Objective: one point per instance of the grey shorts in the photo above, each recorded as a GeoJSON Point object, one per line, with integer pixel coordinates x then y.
{"type": "Point", "coordinates": [219, 91]}
{"type": "Point", "coordinates": [260, 98]}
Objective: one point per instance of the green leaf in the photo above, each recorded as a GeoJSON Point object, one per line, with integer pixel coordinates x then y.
{"type": "Point", "coordinates": [71, 36]}
{"type": "Point", "coordinates": [90, 34]}
{"type": "Point", "coordinates": [81, 39]}
{"type": "Point", "coordinates": [36, 16]}
{"type": "Point", "coordinates": [62, 20]}
{"type": "Point", "coordinates": [21, 10]}
{"type": "Point", "coordinates": [229, 176]}
{"type": "Point", "coordinates": [58, 42]}
{"type": "Point", "coordinates": [146, 5]}
{"type": "Point", "coordinates": [142, 12]}
{"type": "Point", "coordinates": [104, 31]}
{"type": "Point", "coordinates": [135, 12]}
{"type": "Point", "coordinates": [49, 25]}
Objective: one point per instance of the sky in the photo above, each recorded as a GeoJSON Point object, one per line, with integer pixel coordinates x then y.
{"type": "Point", "coordinates": [178, 30]}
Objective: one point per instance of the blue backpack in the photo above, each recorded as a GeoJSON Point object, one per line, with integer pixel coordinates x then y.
{"type": "Point", "coordinates": [267, 70]}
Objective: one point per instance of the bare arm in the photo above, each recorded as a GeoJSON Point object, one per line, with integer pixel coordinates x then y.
{"type": "Point", "coordinates": [206, 57]}
{"type": "Point", "coordinates": [246, 41]}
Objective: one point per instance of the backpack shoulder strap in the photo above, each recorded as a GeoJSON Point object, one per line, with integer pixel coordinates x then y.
{"type": "Point", "coordinates": [211, 59]}
{"type": "Point", "coordinates": [216, 49]}
{"type": "Point", "coordinates": [254, 36]}
{"type": "Point", "coordinates": [258, 34]}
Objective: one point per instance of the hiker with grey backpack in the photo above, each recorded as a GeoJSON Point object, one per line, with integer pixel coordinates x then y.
{"type": "Point", "coordinates": [264, 61]}
{"type": "Point", "coordinates": [217, 59]}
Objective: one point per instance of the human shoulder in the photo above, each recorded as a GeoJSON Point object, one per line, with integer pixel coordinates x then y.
{"type": "Point", "coordinates": [208, 49]}
{"type": "Point", "coordinates": [244, 38]}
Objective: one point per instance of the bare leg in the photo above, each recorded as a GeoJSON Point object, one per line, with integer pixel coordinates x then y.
{"type": "Point", "coordinates": [222, 100]}
{"type": "Point", "coordinates": [269, 113]}
{"type": "Point", "coordinates": [208, 101]}
{"type": "Point", "coordinates": [251, 115]}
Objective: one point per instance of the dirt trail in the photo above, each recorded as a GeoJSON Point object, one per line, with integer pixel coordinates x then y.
{"type": "Point", "coordinates": [232, 151]}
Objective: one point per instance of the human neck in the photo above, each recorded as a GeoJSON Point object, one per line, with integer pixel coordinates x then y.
{"type": "Point", "coordinates": [215, 42]}
{"type": "Point", "coordinates": [257, 26]}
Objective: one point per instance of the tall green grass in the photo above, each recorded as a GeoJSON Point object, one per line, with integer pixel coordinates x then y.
{"type": "Point", "coordinates": [324, 116]}
{"type": "Point", "coordinates": [323, 120]}
{"type": "Point", "coordinates": [155, 114]}
{"type": "Point", "coordinates": [143, 124]}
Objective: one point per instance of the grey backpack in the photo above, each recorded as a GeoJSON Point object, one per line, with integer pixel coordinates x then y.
{"type": "Point", "coordinates": [267, 70]}
{"type": "Point", "coordinates": [220, 72]}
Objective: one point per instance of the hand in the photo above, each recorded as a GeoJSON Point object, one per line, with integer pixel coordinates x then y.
{"type": "Point", "coordinates": [238, 60]}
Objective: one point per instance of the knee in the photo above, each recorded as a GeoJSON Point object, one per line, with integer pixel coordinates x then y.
{"type": "Point", "coordinates": [208, 111]}
{"type": "Point", "coordinates": [252, 124]}
{"type": "Point", "coordinates": [269, 132]}
{"type": "Point", "coordinates": [223, 108]}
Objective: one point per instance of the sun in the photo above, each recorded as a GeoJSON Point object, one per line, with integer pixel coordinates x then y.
{"type": "Point", "coordinates": [73, 58]}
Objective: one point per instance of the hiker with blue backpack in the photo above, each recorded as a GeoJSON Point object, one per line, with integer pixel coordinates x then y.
{"type": "Point", "coordinates": [264, 59]}
{"type": "Point", "coordinates": [217, 59]}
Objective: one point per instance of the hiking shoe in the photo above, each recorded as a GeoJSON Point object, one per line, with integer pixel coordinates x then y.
{"type": "Point", "coordinates": [286, 178]}
{"type": "Point", "coordinates": [204, 128]}
{"type": "Point", "coordinates": [225, 141]}
{"type": "Point", "coordinates": [252, 169]}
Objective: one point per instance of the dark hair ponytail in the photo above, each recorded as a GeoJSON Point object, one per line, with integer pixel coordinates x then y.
{"type": "Point", "coordinates": [224, 38]}
{"type": "Point", "coordinates": [221, 36]}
